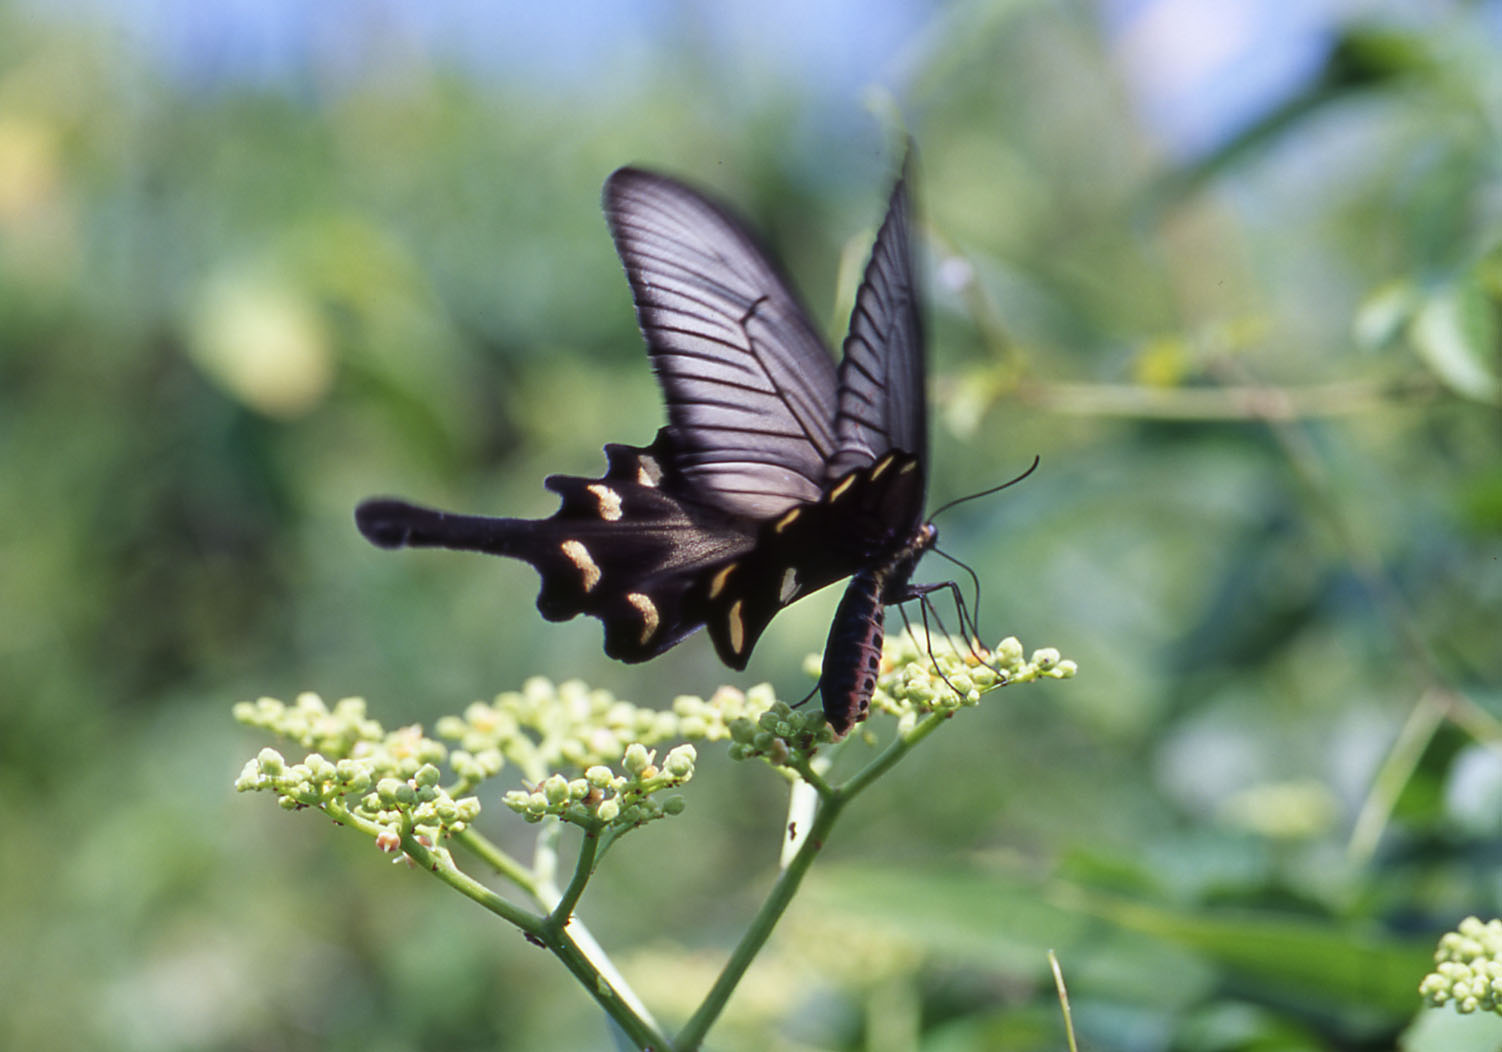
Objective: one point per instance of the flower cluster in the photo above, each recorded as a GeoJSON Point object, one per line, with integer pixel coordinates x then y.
{"type": "Point", "coordinates": [604, 798]}
{"type": "Point", "coordinates": [921, 674]}
{"type": "Point", "coordinates": [545, 726]}
{"type": "Point", "coordinates": [781, 735]}
{"type": "Point", "coordinates": [1468, 968]}
{"type": "Point", "coordinates": [359, 773]}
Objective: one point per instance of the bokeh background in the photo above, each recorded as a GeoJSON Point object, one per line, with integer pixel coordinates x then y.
{"type": "Point", "coordinates": [1231, 269]}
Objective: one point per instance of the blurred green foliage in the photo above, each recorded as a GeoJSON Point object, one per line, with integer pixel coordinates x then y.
{"type": "Point", "coordinates": [1268, 524]}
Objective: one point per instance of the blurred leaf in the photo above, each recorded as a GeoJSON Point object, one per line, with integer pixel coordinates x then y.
{"type": "Point", "coordinates": [1455, 333]}
{"type": "Point", "coordinates": [1384, 313]}
{"type": "Point", "coordinates": [1445, 1030]}
{"type": "Point", "coordinates": [1010, 923]}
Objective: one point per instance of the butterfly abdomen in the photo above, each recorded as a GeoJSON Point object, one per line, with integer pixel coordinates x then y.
{"type": "Point", "coordinates": [852, 653]}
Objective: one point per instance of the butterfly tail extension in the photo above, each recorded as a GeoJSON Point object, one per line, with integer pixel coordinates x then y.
{"type": "Point", "coordinates": [388, 523]}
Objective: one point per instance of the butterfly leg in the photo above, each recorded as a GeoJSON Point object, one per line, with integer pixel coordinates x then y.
{"type": "Point", "coordinates": [920, 593]}
{"type": "Point", "coordinates": [968, 625]}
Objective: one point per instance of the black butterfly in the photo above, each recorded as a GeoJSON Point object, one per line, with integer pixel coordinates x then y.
{"type": "Point", "coordinates": [776, 474]}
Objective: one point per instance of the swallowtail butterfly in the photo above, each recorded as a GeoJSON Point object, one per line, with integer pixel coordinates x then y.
{"type": "Point", "coordinates": [777, 473]}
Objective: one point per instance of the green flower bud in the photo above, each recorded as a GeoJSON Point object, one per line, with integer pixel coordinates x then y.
{"type": "Point", "coordinates": [555, 789]}
{"type": "Point", "coordinates": [1045, 657]}
{"type": "Point", "coordinates": [1009, 651]}
{"type": "Point", "coordinates": [679, 762]}
{"type": "Point", "coordinates": [271, 762]}
{"type": "Point", "coordinates": [637, 758]}
{"type": "Point", "coordinates": [609, 810]}
{"type": "Point", "coordinates": [674, 805]}
{"type": "Point", "coordinates": [250, 777]}
{"type": "Point", "coordinates": [742, 730]}
{"type": "Point", "coordinates": [426, 775]}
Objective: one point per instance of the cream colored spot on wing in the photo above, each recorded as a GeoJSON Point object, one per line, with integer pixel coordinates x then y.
{"type": "Point", "coordinates": [610, 501]}
{"type": "Point", "coordinates": [786, 521]}
{"type": "Point", "coordinates": [839, 491]}
{"type": "Point", "coordinates": [579, 555]}
{"type": "Point", "coordinates": [650, 619]}
{"type": "Point", "coordinates": [717, 583]}
{"type": "Point", "coordinates": [648, 472]}
{"type": "Point", "coordinates": [909, 466]}
{"type": "Point", "coordinates": [789, 585]}
{"type": "Point", "coordinates": [737, 627]}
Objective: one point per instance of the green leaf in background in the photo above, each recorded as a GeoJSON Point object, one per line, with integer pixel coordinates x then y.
{"type": "Point", "coordinates": [1455, 333]}
{"type": "Point", "coordinates": [1009, 922]}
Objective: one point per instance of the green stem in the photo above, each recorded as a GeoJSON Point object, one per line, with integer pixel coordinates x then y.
{"type": "Point", "coordinates": [1398, 766]}
{"type": "Point", "coordinates": [620, 1004]}
{"type": "Point", "coordinates": [487, 852]}
{"type": "Point", "coordinates": [584, 866]}
{"type": "Point", "coordinates": [761, 926]}
{"type": "Point", "coordinates": [444, 869]}
{"type": "Point", "coordinates": [834, 800]}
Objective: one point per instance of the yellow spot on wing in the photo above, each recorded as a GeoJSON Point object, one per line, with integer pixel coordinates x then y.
{"type": "Point", "coordinates": [649, 616]}
{"type": "Point", "coordinates": [610, 501]}
{"type": "Point", "coordinates": [737, 627]}
{"type": "Point", "coordinates": [882, 465]}
{"type": "Point", "coordinates": [577, 554]}
{"type": "Point", "coordinates": [909, 466]}
{"type": "Point", "coordinates": [717, 584]}
{"type": "Point", "coordinates": [839, 491]}
{"type": "Point", "coordinates": [786, 521]}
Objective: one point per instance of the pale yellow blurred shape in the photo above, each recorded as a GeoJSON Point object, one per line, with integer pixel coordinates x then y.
{"type": "Point", "coordinates": [260, 337]}
{"type": "Point", "coordinates": [1291, 810]}
{"type": "Point", "coordinates": [37, 232]}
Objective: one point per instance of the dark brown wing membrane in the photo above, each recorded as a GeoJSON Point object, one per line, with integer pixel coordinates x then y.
{"type": "Point", "coordinates": [749, 384]}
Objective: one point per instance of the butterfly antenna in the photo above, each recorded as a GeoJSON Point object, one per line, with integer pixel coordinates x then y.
{"type": "Point", "coordinates": [985, 492]}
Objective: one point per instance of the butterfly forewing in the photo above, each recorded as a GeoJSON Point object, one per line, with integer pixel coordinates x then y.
{"type": "Point", "coordinates": [749, 384]}
{"type": "Point", "coordinates": [882, 401]}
